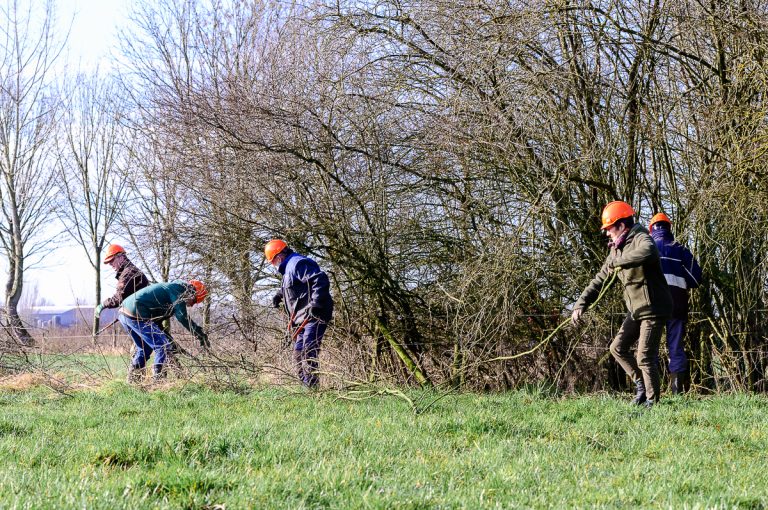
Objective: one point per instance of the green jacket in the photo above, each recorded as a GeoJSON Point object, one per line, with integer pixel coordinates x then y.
{"type": "Point", "coordinates": [646, 293]}
{"type": "Point", "coordinates": [161, 301]}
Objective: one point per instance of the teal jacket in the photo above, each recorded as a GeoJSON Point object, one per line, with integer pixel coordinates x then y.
{"type": "Point", "coordinates": [163, 301]}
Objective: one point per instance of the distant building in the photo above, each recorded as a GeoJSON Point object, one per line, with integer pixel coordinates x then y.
{"type": "Point", "coordinates": [67, 316]}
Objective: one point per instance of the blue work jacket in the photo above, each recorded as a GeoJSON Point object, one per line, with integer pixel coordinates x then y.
{"type": "Point", "coordinates": [305, 287]}
{"type": "Point", "coordinates": [680, 268]}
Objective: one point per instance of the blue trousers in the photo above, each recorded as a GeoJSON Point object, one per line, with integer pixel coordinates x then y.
{"type": "Point", "coordinates": [678, 362]}
{"type": "Point", "coordinates": [148, 337]}
{"type": "Point", "coordinates": [306, 352]}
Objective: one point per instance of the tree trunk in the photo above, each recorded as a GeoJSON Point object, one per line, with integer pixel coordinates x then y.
{"type": "Point", "coordinates": [97, 274]}
{"type": "Point", "coordinates": [13, 289]}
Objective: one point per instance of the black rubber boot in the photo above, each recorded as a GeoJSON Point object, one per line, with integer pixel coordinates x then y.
{"type": "Point", "coordinates": [676, 382]}
{"type": "Point", "coordinates": [158, 374]}
{"type": "Point", "coordinates": [639, 393]}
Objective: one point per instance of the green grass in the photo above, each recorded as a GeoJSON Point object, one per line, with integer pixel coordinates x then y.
{"type": "Point", "coordinates": [121, 447]}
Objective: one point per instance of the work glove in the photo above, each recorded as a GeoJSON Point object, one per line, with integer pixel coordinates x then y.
{"type": "Point", "coordinates": [203, 338]}
{"type": "Point", "coordinates": [276, 300]}
{"type": "Point", "coordinates": [576, 316]}
{"type": "Point", "coordinates": [97, 310]}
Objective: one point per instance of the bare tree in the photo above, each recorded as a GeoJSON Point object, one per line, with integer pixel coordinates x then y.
{"type": "Point", "coordinates": [28, 108]}
{"type": "Point", "coordinates": [92, 161]}
{"type": "Point", "coordinates": [448, 162]}
{"type": "Point", "coordinates": [152, 208]}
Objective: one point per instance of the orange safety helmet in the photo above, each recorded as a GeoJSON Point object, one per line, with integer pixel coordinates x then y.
{"type": "Point", "coordinates": [112, 250]}
{"type": "Point", "coordinates": [200, 291]}
{"type": "Point", "coordinates": [657, 218]}
{"type": "Point", "coordinates": [615, 211]}
{"type": "Point", "coordinates": [272, 248]}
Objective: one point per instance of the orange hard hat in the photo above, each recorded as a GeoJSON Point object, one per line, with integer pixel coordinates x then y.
{"type": "Point", "coordinates": [657, 218]}
{"type": "Point", "coordinates": [200, 291]}
{"type": "Point", "coordinates": [272, 248]}
{"type": "Point", "coordinates": [616, 211]}
{"type": "Point", "coordinates": [112, 250]}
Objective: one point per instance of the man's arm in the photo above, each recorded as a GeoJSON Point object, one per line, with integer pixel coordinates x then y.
{"type": "Point", "coordinates": [117, 297]}
{"type": "Point", "coordinates": [590, 293]}
{"type": "Point", "coordinates": [180, 312]}
{"type": "Point", "coordinates": [643, 251]}
{"type": "Point", "coordinates": [131, 281]}
{"type": "Point", "coordinates": [319, 289]}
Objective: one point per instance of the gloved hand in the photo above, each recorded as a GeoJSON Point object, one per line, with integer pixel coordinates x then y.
{"type": "Point", "coordinates": [203, 338]}
{"type": "Point", "coordinates": [276, 300]}
{"type": "Point", "coordinates": [97, 310]}
{"type": "Point", "coordinates": [576, 316]}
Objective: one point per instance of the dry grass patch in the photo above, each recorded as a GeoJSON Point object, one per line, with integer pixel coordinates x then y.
{"type": "Point", "coordinates": [23, 381]}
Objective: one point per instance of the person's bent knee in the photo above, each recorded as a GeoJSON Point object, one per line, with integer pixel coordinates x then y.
{"type": "Point", "coordinates": [644, 365]}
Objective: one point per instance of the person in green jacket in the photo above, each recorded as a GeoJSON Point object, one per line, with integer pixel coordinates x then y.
{"type": "Point", "coordinates": [635, 259]}
{"type": "Point", "coordinates": [141, 312]}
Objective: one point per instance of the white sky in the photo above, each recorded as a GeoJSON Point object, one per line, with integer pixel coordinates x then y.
{"type": "Point", "coordinates": [67, 277]}
{"type": "Point", "coordinates": [95, 25]}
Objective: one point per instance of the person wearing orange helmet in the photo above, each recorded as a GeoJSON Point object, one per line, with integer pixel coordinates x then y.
{"type": "Point", "coordinates": [682, 273]}
{"type": "Point", "coordinates": [305, 294]}
{"type": "Point", "coordinates": [633, 256]}
{"type": "Point", "coordinates": [141, 312]}
{"type": "Point", "coordinates": [129, 278]}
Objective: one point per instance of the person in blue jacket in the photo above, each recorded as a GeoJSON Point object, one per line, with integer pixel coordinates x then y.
{"type": "Point", "coordinates": [141, 312]}
{"type": "Point", "coordinates": [682, 272]}
{"type": "Point", "coordinates": [305, 293]}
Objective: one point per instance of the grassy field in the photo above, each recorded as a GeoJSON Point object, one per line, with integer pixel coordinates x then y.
{"type": "Point", "coordinates": [191, 447]}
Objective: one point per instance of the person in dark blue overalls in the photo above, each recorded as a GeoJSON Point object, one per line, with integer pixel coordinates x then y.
{"type": "Point", "coordinates": [682, 273]}
{"type": "Point", "coordinates": [305, 294]}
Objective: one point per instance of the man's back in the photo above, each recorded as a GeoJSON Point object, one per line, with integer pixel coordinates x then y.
{"type": "Point", "coordinates": [155, 301]}
{"type": "Point", "coordinates": [130, 279]}
{"type": "Point", "coordinates": [680, 268]}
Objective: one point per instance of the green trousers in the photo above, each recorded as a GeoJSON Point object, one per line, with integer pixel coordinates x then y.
{"type": "Point", "coordinates": [643, 366]}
